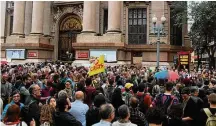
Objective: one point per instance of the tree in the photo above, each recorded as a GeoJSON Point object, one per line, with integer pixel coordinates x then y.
{"type": "Point", "coordinates": [204, 17]}
{"type": "Point", "coordinates": [203, 30]}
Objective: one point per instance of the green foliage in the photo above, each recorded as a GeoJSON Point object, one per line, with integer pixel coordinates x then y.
{"type": "Point", "coordinates": [179, 10]}
{"type": "Point", "coordinates": [203, 29]}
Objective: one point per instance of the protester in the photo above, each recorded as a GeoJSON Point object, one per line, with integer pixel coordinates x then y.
{"type": "Point", "coordinates": [46, 116]}
{"type": "Point", "coordinates": [135, 86]}
{"type": "Point", "coordinates": [127, 93]}
{"type": "Point", "coordinates": [6, 89]}
{"type": "Point", "coordinates": [52, 102]}
{"type": "Point", "coordinates": [109, 89]}
{"type": "Point", "coordinates": [79, 109]}
{"type": "Point", "coordinates": [107, 114]}
{"type": "Point", "coordinates": [16, 100]}
{"type": "Point", "coordinates": [165, 100]}
{"type": "Point", "coordinates": [155, 116]}
{"type": "Point", "coordinates": [68, 89]}
{"type": "Point", "coordinates": [124, 115]}
{"type": "Point", "coordinates": [89, 90]}
{"type": "Point", "coordinates": [32, 105]}
{"type": "Point", "coordinates": [208, 112]}
{"type": "Point", "coordinates": [117, 100]}
{"type": "Point", "coordinates": [136, 116]}
{"type": "Point", "coordinates": [143, 97]}
{"type": "Point", "coordinates": [12, 117]}
{"type": "Point", "coordinates": [62, 117]}
{"type": "Point", "coordinates": [92, 115]}
{"type": "Point", "coordinates": [190, 107]}
{"type": "Point", "coordinates": [174, 116]}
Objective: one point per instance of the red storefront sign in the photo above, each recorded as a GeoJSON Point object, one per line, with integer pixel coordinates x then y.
{"type": "Point", "coordinates": [32, 54]}
{"type": "Point", "coordinates": [83, 54]}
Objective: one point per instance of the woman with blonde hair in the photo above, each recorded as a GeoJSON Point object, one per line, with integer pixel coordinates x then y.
{"type": "Point", "coordinates": [46, 118]}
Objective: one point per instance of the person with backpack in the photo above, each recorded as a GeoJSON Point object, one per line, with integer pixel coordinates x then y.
{"type": "Point", "coordinates": [207, 116]}
{"type": "Point", "coordinates": [109, 89]}
{"type": "Point", "coordinates": [165, 100]}
{"type": "Point", "coordinates": [144, 98]}
{"type": "Point", "coordinates": [127, 94]}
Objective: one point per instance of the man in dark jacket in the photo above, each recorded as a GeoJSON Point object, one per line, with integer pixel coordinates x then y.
{"type": "Point", "coordinates": [33, 101]}
{"type": "Point", "coordinates": [6, 89]}
{"type": "Point", "coordinates": [62, 117]}
{"type": "Point", "coordinates": [191, 107]}
{"type": "Point", "coordinates": [92, 115]}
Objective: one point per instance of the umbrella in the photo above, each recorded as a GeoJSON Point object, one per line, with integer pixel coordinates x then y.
{"type": "Point", "coordinates": [161, 75]}
{"type": "Point", "coordinates": [172, 76]}
{"type": "Point", "coordinates": [4, 62]}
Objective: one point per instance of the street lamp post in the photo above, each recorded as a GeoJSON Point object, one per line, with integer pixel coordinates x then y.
{"type": "Point", "coordinates": [158, 29]}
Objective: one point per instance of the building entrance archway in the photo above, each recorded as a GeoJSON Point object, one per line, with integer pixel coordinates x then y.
{"type": "Point", "coordinates": [69, 27]}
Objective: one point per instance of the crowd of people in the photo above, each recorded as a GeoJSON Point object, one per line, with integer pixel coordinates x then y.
{"type": "Point", "coordinates": [59, 94]}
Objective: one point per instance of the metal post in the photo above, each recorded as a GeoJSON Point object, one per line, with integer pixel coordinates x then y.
{"type": "Point", "coordinates": [158, 46]}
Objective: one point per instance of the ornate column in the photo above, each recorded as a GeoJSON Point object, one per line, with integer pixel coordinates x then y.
{"type": "Point", "coordinates": [3, 14]}
{"type": "Point", "coordinates": [19, 17]}
{"type": "Point", "coordinates": [28, 17]}
{"type": "Point", "coordinates": [47, 18]}
{"type": "Point", "coordinates": [114, 17]}
{"type": "Point", "coordinates": [37, 17]}
{"type": "Point", "coordinates": [89, 16]}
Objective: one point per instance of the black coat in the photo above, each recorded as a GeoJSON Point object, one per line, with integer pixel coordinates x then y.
{"type": "Point", "coordinates": [65, 119]}
{"type": "Point", "coordinates": [34, 110]}
{"type": "Point", "coordinates": [192, 110]}
{"type": "Point", "coordinates": [92, 116]}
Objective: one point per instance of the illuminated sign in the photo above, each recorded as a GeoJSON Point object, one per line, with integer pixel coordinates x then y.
{"type": "Point", "coordinates": [184, 59]}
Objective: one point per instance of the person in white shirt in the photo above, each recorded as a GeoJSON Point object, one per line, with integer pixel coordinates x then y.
{"type": "Point", "coordinates": [124, 115]}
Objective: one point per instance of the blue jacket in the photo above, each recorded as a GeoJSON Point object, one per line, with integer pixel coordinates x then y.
{"type": "Point", "coordinates": [7, 106]}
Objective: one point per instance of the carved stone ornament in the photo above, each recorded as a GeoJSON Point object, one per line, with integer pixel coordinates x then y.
{"type": "Point", "coordinates": [60, 11]}
{"type": "Point", "coordinates": [10, 7]}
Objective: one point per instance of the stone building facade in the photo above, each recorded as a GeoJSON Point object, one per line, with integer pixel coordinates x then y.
{"type": "Point", "coordinates": [122, 30]}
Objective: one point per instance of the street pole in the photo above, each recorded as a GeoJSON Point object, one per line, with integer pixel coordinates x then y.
{"type": "Point", "coordinates": [158, 47]}
{"type": "Point", "coordinates": [158, 28]}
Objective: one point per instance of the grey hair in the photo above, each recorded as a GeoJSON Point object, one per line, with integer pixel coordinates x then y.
{"type": "Point", "coordinates": [123, 111]}
{"type": "Point", "coordinates": [31, 88]}
{"type": "Point", "coordinates": [106, 111]}
{"type": "Point", "coordinates": [62, 93]}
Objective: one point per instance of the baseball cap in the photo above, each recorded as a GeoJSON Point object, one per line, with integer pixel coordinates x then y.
{"type": "Point", "coordinates": [128, 85]}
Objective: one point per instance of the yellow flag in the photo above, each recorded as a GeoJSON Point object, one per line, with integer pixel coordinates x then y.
{"type": "Point", "coordinates": [97, 67]}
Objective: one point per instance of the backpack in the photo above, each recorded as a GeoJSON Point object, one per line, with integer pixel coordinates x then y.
{"type": "Point", "coordinates": [165, 106]}
{"type": "Point", "coordinates": [143, 107]}
{"type": "Point", "coordinates": [211, 121]}
{"type": "Point", "coordinates": [126, 98]}
{"type": "Point", "coordinates": [109, 92]}
{"type": "Point", "coordinates": [25, 110]}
